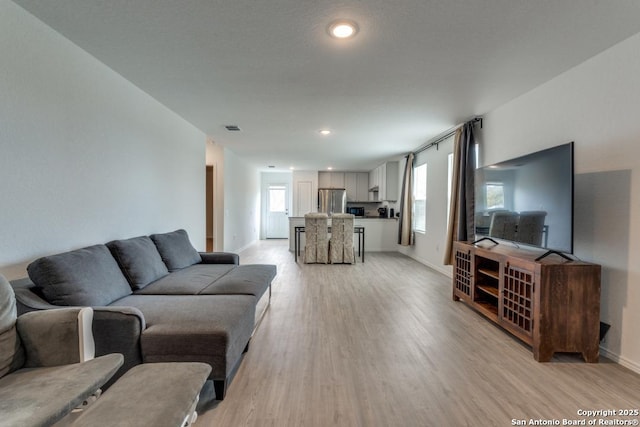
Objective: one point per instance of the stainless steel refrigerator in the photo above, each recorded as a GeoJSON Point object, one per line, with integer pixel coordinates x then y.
{"type": "Point", "coordinates": [332, 200]}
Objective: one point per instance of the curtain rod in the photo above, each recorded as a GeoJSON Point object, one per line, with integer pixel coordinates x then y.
{"type": "Point", "coordinates": [450, 132]}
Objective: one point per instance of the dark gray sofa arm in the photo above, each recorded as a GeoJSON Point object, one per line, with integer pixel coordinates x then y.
{"type": "Point", "coordinates": [118, 330]}
{"type": "Point", "coordinates": [27, 298]}
{"type": "Point", "coordinates": [219, 258]}
{"type": "Point", "coordinates": [56, 337]}
{"type": "Point", "coordinates": [115, 329]}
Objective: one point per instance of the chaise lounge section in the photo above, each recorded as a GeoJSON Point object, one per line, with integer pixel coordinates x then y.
{"type": "Point", "coordinates": [156, 299]}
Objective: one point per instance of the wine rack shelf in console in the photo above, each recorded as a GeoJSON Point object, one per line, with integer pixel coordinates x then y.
{"type": "Point", "coordinates": [551, 304]}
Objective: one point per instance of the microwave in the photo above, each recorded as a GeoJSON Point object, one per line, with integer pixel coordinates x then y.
{"type": "Point", "coordinates": [356, 210]}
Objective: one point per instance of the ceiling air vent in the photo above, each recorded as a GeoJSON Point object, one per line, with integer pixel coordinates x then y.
{"type": "Point", "coordinates": [232, 128]}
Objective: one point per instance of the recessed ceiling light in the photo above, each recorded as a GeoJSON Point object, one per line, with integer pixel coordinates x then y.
{"type": "Point", "coordinates": [325, 132]}
{"type": "Point", "coordinates": [342, 29]}
{"type": "Point", "coordinates": [329, 168]}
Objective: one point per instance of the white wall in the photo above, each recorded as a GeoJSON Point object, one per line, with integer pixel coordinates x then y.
{"type": "Point", "coordinates": [85, 156]}
{"type": "Point", "coordinates": [242, 202]}
{"type": "Point", "coordinates": [428, 247]}
{"type": "Point", "coordinates": [596, 104]}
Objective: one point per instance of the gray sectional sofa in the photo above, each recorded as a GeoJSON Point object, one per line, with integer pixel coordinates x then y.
{"type": "Point", "coordinates": [156, 299]}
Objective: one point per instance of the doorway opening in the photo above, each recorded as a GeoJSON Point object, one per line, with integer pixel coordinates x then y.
{"type": "Point", "coordinates": [210, 211]}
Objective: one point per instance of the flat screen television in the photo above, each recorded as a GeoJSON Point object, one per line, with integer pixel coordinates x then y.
{"type": "Point", "coordinates": [528, 200]}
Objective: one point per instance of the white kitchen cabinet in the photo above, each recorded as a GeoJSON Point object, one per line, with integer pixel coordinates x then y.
{"type": "Point", "coordinates": [324, 180]}
{"type": "Point", "coordinates": [373, 178]}
{"type": "Point", "coordinates": [391, 188]}
{"type": "Point", "coordinates": [357, 186]}
{"type": "Point", "coordinates": [382, 182]}
{"type": "Point", "coordinates": [362, 186]}
{"type": "Point", "coordinates": [351, 185]}
{"type": "Point", "coordinates": [337, 180]}
{"type": "Point", "coordinates": [386, 177]}
{"type": "Point", "coordinates": [331, 179]}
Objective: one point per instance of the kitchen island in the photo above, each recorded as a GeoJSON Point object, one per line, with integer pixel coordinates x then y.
{"type": "Point", "coordinates": [382, 233]}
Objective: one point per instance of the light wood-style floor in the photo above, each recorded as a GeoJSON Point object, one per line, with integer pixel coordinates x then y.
{"type": "Point", "coordinates": [383, 344]}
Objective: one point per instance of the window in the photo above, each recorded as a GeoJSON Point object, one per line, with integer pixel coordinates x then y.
{"type": "Point", "coordinates": [494, 195]}
{"type": "Point", "coordinates": [420, 198]}
{"type": "Point", "coordinates": [277, 198]}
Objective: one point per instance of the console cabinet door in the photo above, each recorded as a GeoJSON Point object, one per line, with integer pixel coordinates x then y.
{"type": "Point", "coordinates": [517, 302]}
{"type": "Point", "coordinates": [462, 274]}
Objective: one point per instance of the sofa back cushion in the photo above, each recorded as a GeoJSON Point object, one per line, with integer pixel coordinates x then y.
{"type": "Point", "coordinates": [85, 277]}
{"type": "Point", "coordinates": [139, 260]}
{"type": "Point", "coordinates": [176, 249]}
{"type": "Point", "coordinates": [11, 350]}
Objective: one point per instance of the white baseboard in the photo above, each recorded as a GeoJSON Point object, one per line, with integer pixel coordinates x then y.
{"type": "Point", "coordinates": [634, 366]}
{"type": "Point", "coordinates": [439, 268]}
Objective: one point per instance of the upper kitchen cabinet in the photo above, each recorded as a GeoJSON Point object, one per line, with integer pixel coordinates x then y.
{"type": "Point", "coordinates": [373, 179]}
{"type": "Point", "coordinates": [331, 180]}
{"type": "Point", "coordinates": [384, 178]}
{"type": "Point", "coordinates": [357, 186]}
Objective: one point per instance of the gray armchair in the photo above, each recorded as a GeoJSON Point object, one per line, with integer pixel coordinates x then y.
{"type": "Point", "coordinates": [47, 369]}
{"type": "Point", "coordinates": [46, 362]}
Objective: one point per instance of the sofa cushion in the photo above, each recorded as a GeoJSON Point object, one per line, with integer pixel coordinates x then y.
{"type": "Point", "coordinates": [85, 277]}
{"type": "Point", "coordinates": [213, 329]}
{"type": "Point", "coordinates": [176, 249]}
{"type": "Point", "coordinates": [188, 281]}
{"type": "Point", "coordinates": [139, 260]}
{"type": "Point", "coordinates": [248, 279]}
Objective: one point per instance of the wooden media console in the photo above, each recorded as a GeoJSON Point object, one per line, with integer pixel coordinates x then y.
{"type": "Point", "coordinates": [552, 304]}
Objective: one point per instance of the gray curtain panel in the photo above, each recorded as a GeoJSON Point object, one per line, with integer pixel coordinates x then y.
{"type": "Point", "coordinates": [461, 213]}
{"type": "Point", "coordinates": [466, 224]}
{"type": "Point", "coordinates": [405, 232]}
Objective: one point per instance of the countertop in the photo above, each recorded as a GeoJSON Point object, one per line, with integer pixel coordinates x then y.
{"type": "Point", "coordinates": [382, 233]}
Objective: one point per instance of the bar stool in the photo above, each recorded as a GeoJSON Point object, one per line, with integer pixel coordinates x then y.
{"type": "Point", "coordinates": [341, 243]}
{"type": "Point", "coordinates": [316, 241]}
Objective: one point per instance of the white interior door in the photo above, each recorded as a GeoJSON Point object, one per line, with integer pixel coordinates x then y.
{"type": "Point", "coordinates": [305, 199]}
{"type": "Point", "coordinates": [277, 211]}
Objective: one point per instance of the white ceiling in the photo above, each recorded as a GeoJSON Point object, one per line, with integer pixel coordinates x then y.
{"type": "Point", "coordinates": [415, 69]}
